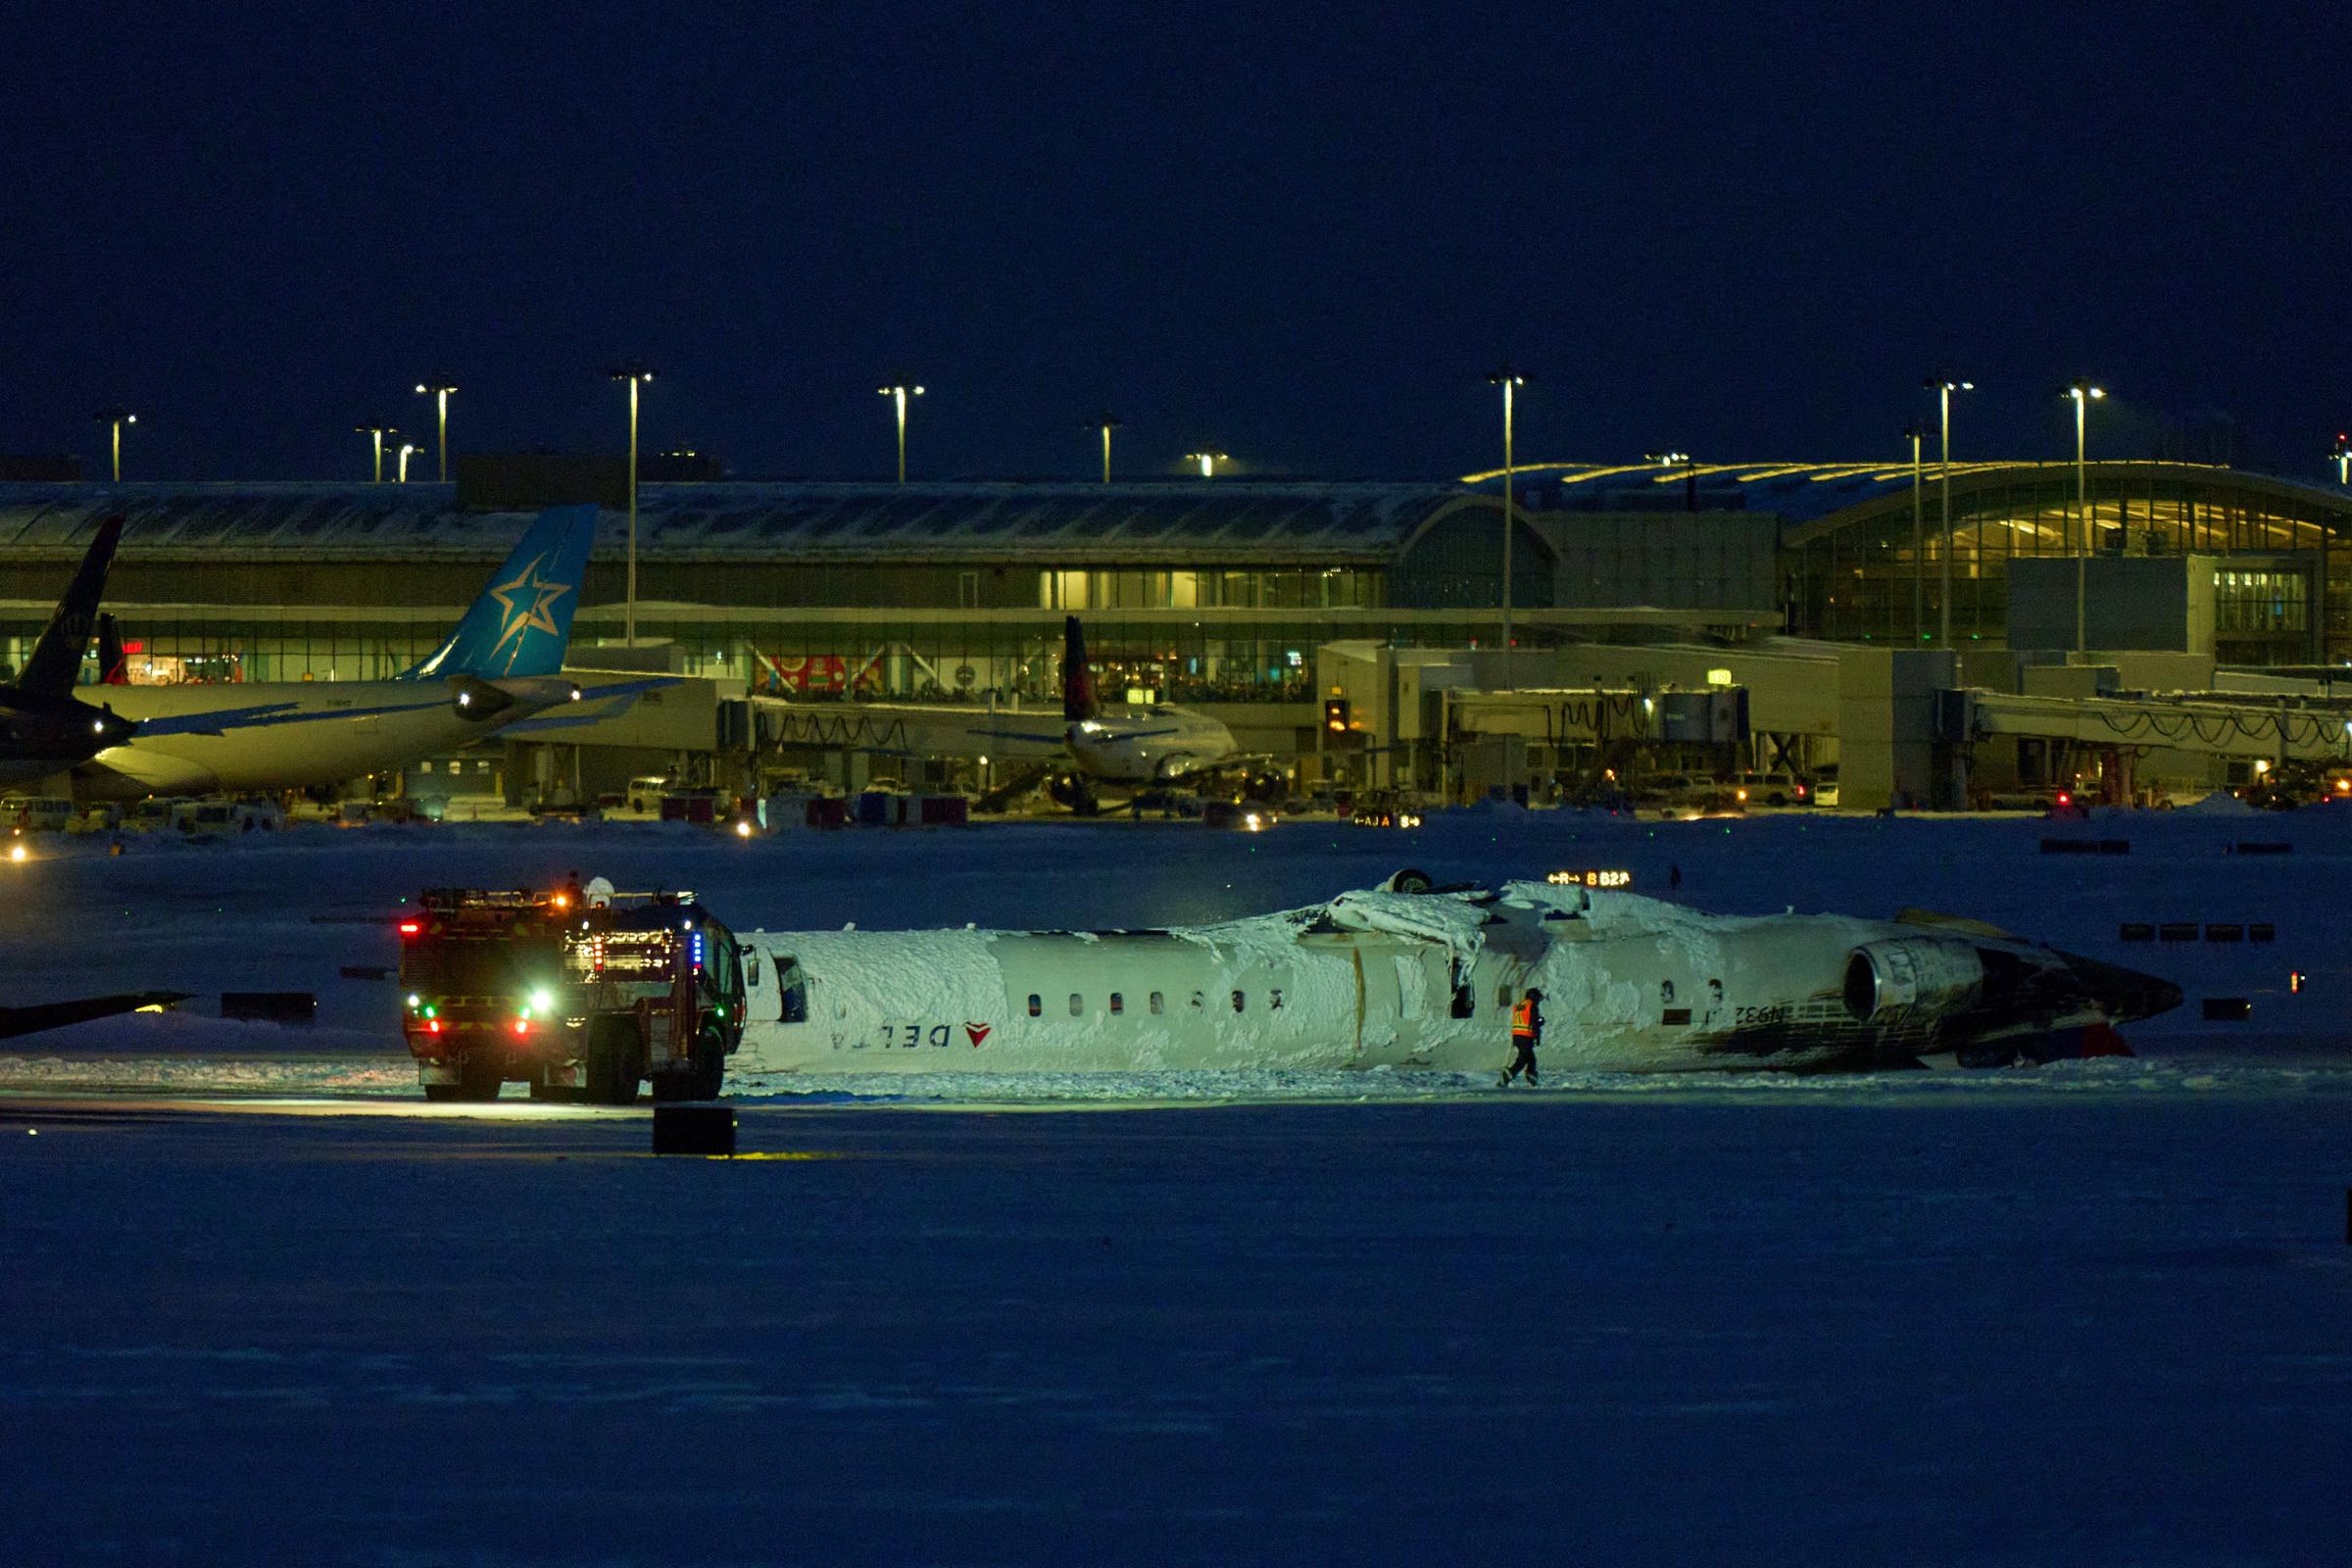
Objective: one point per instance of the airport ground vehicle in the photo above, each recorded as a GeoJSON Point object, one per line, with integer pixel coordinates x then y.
{"type": "Point", "coordinates": [577, 1002]}
{"type": "Point", "coordinates": [38, 814]}
{"type": "Point", "coordinates": [1774, 788]}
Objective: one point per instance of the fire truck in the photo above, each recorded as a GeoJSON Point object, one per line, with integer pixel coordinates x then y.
{"type": "Point", "coordinates": [580, 1002]}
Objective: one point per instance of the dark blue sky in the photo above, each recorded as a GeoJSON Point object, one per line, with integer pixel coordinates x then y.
{"type": "Point", "coordinates": [1301, 232]}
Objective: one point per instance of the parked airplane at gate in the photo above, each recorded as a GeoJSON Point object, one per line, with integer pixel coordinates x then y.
{"type": "Point", "coordinates": [498, 666]}
{"type": "Point", "coordinates": [44, 729]}
{"type": "Point", "coordinates": [1157, 744]}
{"type": "Point", "coordinates": [1395, 978]}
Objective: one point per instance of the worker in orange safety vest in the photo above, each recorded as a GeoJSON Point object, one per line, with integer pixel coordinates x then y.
{"type": "Point", "coordinates": [1527, 1033]}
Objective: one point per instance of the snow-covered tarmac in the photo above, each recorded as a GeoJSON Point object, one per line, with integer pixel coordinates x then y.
{"type": "Point", "coordinates": [260, 1304]}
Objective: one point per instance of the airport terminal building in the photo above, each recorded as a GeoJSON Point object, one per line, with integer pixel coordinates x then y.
{"type": "Point", "coordinates": [1216, 593]}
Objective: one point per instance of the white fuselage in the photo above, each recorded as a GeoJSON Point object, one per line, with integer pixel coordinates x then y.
{"type": "Point", "coordinates": [334, 730]}
{"type": "Point", "coordinates": [1153, 746]}
{"type": "Point", "coordinates": [1630, 985]}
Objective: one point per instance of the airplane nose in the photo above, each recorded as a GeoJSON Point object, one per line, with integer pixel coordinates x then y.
{"type": "Point", "coordinates": [2126, 995]}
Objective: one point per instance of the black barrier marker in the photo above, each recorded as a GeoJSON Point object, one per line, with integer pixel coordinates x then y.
{"type": "Point", "coordinates": [693, 1129]}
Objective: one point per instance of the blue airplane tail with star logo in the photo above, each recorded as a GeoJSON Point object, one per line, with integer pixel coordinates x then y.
{"type": "Point", "coordinates": [522, 624]}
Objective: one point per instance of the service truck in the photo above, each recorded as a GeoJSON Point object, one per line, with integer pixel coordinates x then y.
{"type": "Point", "coordinates": [579, 1001]}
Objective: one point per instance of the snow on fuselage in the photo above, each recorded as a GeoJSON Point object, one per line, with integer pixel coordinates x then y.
{"type": "Point", "coordinates": [1385, 979]}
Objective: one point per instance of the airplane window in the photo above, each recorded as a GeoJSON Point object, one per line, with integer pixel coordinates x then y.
{"type": "Point", "coordinates": [1118, 1004]}
{"type": "Point", "coordinates": [1714, 993]}
{"type": "Point", "coordinates": [1077, 1005]}
{"type": "Point", "coordinates": [1199, 1000]}
{"type": "Point", "coordinates": [1158, 1005]}
{"type": "Point", "coordinates": [751, 966]}
{"type": "Point", "coordinates": [1037, 1004]}
{"type": "Point", "coordinates": [1274, 999]}
{"type": "Point", "coordinates": [1502, 995]}
{"type": "Point", "coordinates": [1665, 991]}
{"type": "Point", "coordinates": [1237, 1002]}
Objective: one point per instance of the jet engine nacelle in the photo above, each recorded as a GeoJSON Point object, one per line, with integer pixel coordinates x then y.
{"type": "Point", "coordinates": [1885, 981]}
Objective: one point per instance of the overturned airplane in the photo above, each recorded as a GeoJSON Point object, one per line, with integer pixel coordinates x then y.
{"type": "Point", "coordinates": [1406, 976]}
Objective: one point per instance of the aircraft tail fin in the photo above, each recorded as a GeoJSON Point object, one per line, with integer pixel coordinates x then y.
{"type": "Point", "coordinates": [55, 663]}
{"type": "Point", "coordinates": [114, 665]}
{"type": "Point", "coordinates": [1077, 681]}
{"type": "Point", "coordinates": [522, 624]}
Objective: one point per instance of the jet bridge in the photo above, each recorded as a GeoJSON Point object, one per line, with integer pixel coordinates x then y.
{"type": "Point", "coordinates": [2204, 723]}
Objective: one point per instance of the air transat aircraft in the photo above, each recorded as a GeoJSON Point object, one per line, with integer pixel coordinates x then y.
{"type": "Point", "coordinates": [498, 666]}
{"type": "Point", "coordinates": [1390, 977]}
{"type": "Point", "coordinates": [1133, 745]}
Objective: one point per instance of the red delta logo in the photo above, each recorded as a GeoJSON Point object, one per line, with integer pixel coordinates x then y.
{"type": "Point", "coordinates": [977, 1031]}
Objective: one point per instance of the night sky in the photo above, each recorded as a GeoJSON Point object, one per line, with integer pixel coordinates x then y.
{"type": "Point", "coordinates": [1301, 233]}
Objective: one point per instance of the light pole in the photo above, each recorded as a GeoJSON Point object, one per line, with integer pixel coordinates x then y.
{"type": "Point", "coordinates": [1208, 458]}
{"type": "Point", "coordinates": [636, 372]}
{"type": "Point", "coordinates": [1918, 540]}
{"type": "Point", "coordinates": [2342, 456]}
{"type": "Point", "coordinates": [407, 450]}
{"type": "Point", "coordinates": [118, 416]}
{"type": "Point", "coordinates": [1105, 421]}
{"type": "Point", "coordinates": [375, 433]}
{"type": "Point", "coordinates": [1690, 467]}
{"type": "Point", "coordinates": [2082, 394]}
{"type": "Point", "coordinates": [898, 390]}
{"type": "Point", "coordinates": [440, 386]}
{"type": "Point", "coordinates": [1510, 380]}
{"type": "Point", "coordinates": [1944, 386]}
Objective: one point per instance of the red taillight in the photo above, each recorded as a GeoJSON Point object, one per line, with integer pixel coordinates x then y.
{"type": "Point", "coordinates": [522, 1026]}
{"type": "Point", "coordinates": [409, 928]}
{"type": "Point", "coordinates": [1800, 791]}
{"type": "Point", "coordinates": [2065, 799]}
{"type": "Point", "coordinates": [432, 1026]}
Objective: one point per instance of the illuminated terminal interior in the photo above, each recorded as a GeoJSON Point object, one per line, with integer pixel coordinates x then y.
{"type": "Point", "coordinates": [1200, 591]}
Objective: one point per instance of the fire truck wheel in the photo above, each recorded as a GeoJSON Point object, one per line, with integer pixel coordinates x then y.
{"type": "Point", "coordinates": [480, 1080]}
{"type": "Point", "coordinates": [613, 1056]}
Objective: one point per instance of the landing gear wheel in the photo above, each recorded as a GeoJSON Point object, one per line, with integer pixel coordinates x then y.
{"type": "Point", "coordinates": [614, 1056]}
{"type": "Point", "coordinates": [1409, 880]}
{"type": "Point", "coordinates": [1985, 1055]}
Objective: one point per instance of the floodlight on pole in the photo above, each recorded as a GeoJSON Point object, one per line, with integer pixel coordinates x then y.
{"type": "Point", "coordinates": [1207, 458]}
{"type": "Point", "coordinates": [440, 386]}
{"type": "Point", "coordinates": [1510, 380]}
{"type": "Point", "coordinates": [1943, 387]}
{"type": "Point", "coordinates": [1690, 467]}
{"type": "Point", "coordinates": [407, 449]}
{"type": "Point", "coordinates": [899, 389]}
{"type": "Point", "coordinates": [1105, 421]}
{"type": "Point", "coordinates": [2342, 456]}
{"type": "Point", "coordinates": [117, 418]}
{"type": "Point", "coordinates": [636, 372]}
{"type": "Point", "coordinates": [2082, 394]}
{"type": "Point", "coordinates": [375, 431]}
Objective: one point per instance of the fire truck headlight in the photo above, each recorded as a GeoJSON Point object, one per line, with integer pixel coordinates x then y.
{"type": "Point", "coordinates": [17, 854]}
{"type": "Point", "coordinates": [743, 830]}
{"type": "Point", "coordinates": [542, 999]}
{"type": "Point", "coordinates": [416, 1000]}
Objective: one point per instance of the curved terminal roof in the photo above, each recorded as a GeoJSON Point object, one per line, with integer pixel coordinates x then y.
{"type": "Point", "coordinates": [1185, 522]}
{"type": "Point", "coordinates": [1819, 492]}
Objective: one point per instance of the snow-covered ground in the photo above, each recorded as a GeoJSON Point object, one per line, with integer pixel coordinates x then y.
{"type": "Point", "coordinates": [289, 911]}
{"type": "Point", "coordinates": [262, 1305]}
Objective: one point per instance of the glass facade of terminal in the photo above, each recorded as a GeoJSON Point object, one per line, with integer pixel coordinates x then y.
{"type": "Point", "coordinates": [1874, 581]}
